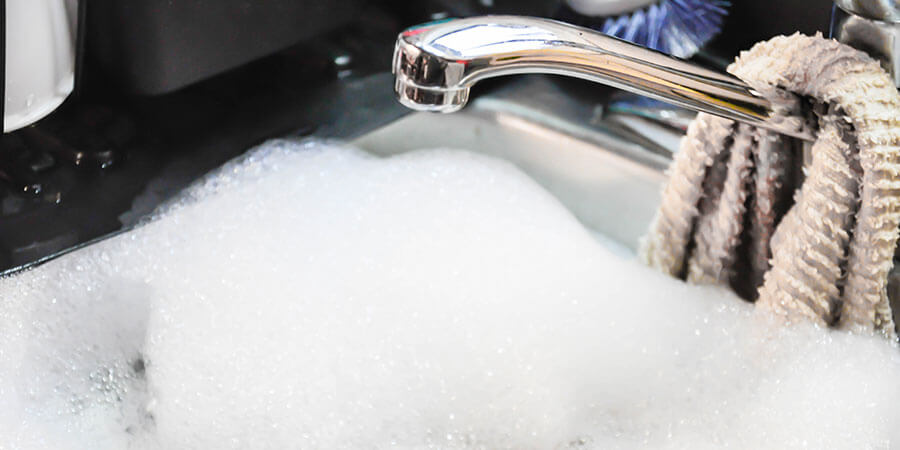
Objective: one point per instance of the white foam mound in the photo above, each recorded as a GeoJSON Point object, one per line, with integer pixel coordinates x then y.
{"type": "Point", "coordinates": [311, 296]}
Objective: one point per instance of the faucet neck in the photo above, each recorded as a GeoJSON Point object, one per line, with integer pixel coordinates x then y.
{"type": "Point", "coordinates": [436, 64]}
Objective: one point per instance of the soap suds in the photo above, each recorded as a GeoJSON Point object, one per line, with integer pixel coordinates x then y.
{"type": "Point", "coordinates": [314, 296]}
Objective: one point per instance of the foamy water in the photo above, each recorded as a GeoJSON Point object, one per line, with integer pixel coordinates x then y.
{"type": "Point", "coordinates": [311, 296]}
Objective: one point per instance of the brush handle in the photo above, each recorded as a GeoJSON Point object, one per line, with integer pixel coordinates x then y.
{"type": "Point", "coordinates": [603, 8]}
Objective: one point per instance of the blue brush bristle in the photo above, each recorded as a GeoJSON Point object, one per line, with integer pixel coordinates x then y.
{"type": "Point", "coordinates": [676, 27]}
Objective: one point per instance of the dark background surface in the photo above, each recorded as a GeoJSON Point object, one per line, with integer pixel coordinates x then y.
{"type": "Point", "coordinates": [752, 21]}
{"type": "Point", "coordinates": [158, 46]}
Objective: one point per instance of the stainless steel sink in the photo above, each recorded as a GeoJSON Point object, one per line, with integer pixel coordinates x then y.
{"type": "Point", "coordinates": [608, 183]}
{"type": "Point", "coordinates": [549, 129]}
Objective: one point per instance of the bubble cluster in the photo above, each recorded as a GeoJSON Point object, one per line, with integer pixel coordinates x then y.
{"type": "Point", "coordinates": [311, 295]}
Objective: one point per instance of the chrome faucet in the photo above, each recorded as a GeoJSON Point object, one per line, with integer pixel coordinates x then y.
{"type": "Point", "coordinates": [872, 26]}
{"type": "Point", "coordinates": [436, 64]}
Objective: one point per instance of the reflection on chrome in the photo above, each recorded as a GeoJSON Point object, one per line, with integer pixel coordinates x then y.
{"type": "Point", "coordinates": [436, 64]}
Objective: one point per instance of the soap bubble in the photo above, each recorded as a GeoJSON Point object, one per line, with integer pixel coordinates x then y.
{"type": "Point", "coordinates": [311, 295]}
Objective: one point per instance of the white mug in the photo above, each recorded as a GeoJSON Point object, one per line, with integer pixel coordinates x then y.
{"type": "Point", "coordinates": [40, 59]}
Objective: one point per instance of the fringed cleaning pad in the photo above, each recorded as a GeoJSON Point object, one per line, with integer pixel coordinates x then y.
{"type": "Point", "coordinates": [731, 212]}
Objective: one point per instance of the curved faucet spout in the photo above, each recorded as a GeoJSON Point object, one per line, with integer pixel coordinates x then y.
{"type": "Point", "coordinates": [436, 64]}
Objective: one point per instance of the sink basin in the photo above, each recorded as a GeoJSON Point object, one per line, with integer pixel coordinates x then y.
{"type": "Point", "coordinates": [123, 324]}
{"type": "Point", "coordinates": [610, 185]}
{"type": "Point", "coordinates": [609, 181]}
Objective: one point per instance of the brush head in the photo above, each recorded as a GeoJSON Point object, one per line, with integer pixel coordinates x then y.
{"type": "Point", "coordinates": [677, 27]}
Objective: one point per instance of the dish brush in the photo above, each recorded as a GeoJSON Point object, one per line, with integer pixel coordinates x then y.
{"type": "Point", "coordinates": [677, 27]}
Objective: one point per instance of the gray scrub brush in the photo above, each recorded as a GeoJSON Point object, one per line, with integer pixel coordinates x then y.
{"type": "Point", "coordinates": [676, 27]}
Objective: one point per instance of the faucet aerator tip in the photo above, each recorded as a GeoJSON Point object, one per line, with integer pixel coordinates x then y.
{"type": "Point", "coordinates": [432, 99]}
